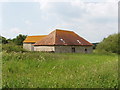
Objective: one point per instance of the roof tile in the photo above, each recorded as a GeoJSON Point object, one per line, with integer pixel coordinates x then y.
{"type": "Point", "coordinates": [33, 39]}
{"type": "Point", "coordinates": [62, 37]}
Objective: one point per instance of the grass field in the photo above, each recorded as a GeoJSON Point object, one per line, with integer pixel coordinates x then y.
{"type": "Point", "coordinates": [52, 70]}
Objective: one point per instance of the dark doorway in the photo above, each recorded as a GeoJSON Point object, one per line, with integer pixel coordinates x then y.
{"type": "Point", "coordinates": [73, 50]}
{"type": "Point", "coordinates": [85, 50]}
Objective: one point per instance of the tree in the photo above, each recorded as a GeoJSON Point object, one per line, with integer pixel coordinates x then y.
{"type": "Point", "coordinates": [110, 44]}
{"type": "Point", "coordinates": [3, 40]}
{"type": "Point", "coordinates": [19, 39]}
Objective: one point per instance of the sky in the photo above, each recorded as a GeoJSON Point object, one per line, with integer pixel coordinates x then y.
{"type": "Point", "coordinates": [91, 19]}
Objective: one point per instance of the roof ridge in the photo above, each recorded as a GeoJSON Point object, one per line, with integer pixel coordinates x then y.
{"type": "Point", "coordinates": [63, 30]}
{"type": "Point", "coordinates": [83, 38]}
{"type": "Point", "coordinates": [37, 35]}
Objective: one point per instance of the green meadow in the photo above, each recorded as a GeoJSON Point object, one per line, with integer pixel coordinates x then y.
{"type": "Point", "coordinates": [59, 70]}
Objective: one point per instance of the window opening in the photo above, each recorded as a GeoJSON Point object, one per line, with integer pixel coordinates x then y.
{"type": "Point", "coordinates": [73, 49]}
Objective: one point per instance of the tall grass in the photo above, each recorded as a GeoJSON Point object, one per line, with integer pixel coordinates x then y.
{"type": "Point", "coordinates": [12, 48]}
{"type": "Point", "coordinates": [52, 70]}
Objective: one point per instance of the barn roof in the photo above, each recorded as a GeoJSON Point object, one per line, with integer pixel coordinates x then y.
{"type": "Point", "coordinates": [62, 37]}
{"type": "Point", "coordinates": [33, 39]}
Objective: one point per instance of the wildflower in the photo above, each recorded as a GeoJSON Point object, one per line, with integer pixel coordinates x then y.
{"type": "Point", "coordinates": [54, 67]}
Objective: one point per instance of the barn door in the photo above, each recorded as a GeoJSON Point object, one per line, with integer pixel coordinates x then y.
{"type": "Point", "coordinates": [73, 50]}
{"type": "Point", "coordinates": [85, 50]}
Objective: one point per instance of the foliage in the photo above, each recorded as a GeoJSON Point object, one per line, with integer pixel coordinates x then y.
{"type": "Point", "coordinates": [19, 39]}
{"type": "Point", "coordinates": [110, 44]}
{"type": "Point", "coordinates": [11, 47]}
{"type": "Point", "coordinates": [95, 45]}
{"type": "Point", "coordinates": [3, 40]}
{"type": "Point", "coordinates": [53, 70]}
{"type": "Point", "coordinates": [10, 40]}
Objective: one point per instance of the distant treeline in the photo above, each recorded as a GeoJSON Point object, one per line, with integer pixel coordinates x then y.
{"type": "Point", "coordinates": [18, 40]}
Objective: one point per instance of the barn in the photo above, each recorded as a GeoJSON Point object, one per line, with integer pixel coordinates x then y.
{"type": "Point", "coordinates": [60, 41]}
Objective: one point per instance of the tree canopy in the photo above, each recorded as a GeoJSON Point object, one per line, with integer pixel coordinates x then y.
{"type": "Point", "coordinates": [19, 39]}
{"type": "Point", "coordinates": [3, 40]}
{"type": "Point", "coordinates": [110, 44]}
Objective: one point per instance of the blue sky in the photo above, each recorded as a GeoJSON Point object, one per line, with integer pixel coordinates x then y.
{"type": "Point", "coordinates": [91, 19]}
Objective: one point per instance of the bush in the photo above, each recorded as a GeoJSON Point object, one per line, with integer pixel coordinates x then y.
{"type": "Point", "coordinates": [12, 48]}
{"type": "Point", "coordinates": [3, 40]}
{"type": "Point", "coordinates": [110, 44]}
{"type": "Point", "coordinates": [95, 45]}
{"type": "Point", "coordinates": [19, 39]}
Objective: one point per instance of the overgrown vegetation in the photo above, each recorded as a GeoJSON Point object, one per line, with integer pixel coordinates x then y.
{"type": "Point", "coordinates": [52, 70]}
{"type": "Point", "coordinates": [110, 44]}
{"type": "Point", "coordinates": [12, 48]}
{"type": "Point", "coordinates": [3, 40]}
{"type": "Point", "coordinates": [95, 45]}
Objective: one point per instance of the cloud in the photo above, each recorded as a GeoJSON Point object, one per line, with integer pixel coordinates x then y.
{"type": "Point", "coordinates": [92, 19]}
{"type": "Point", "coordinates": [15, 30]}
{"type": "Point", "coordinates": [4, 0]}
{"type": "Point", "coordinates": [27, 22]}
{"type": "Point", "coordinates": [78, 8]}
{"type": "Point", "coordinates": [12, 32]}
{"type": "Point", "coordinates": [85, 18]}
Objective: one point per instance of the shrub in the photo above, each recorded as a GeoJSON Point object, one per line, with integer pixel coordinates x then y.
{"type": "Point", "coordinates": [19, 39]}
{"type": "Point", "coordinates": [12, 48]}
{"type": "Point", "coordinates": [110, 44]}
{"type": "Point", "coordinates": [3, 40]}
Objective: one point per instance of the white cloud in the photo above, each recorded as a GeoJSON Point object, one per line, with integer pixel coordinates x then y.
{"type": "Point", "coordinates": [27, 22]}
{"type": "Point", "coordinates": [102, 9]}
{"type": "Point", "coordinates": [15, 30]}
{"type": "Point", "coordinates": [93, 9]}
{"type": "Point", "coordinates": [58, 0]}
{"type": "Point", "coordinates": [4, 0]}
{"type": "Point", "coordinates": [92, 19]}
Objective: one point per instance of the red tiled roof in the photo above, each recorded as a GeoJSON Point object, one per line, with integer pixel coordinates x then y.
{"type": "Point", "coordinates": [63, 37]}
{"type": "Point", "coordinates": [33, 39]}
